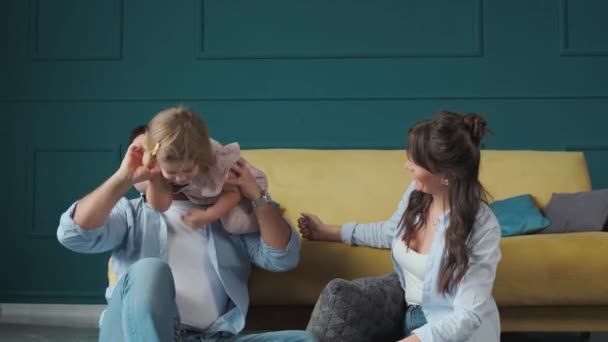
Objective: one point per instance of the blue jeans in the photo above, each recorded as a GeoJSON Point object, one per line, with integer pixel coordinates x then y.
{"type": "Point", "coordinates": [414, 319]}
{"type": "Point", "coordinates": [143, 308]}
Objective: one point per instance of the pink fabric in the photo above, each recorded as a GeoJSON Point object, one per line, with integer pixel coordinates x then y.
{"type": "Point", "coordinates": [205, 189]}
{"type": "Point", "coordinates": [209, 185]}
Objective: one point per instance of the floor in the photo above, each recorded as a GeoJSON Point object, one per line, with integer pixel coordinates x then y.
{"type": "Point", "coordinates": [552, 337]}
{"type": "Point", "coordinates": [31, 333]}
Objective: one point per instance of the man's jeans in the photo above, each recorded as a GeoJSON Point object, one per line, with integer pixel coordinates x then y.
{"type": "Point", "coordinates": [143, 308]}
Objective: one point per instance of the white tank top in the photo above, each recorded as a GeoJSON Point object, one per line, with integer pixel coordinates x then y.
{"type": "Point", "coordinates": [200, 295]}
{"type": "Point", "coordinates": [414, 268]}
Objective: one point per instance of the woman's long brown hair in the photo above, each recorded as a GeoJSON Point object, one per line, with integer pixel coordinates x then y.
{"type": "Point", "coordinates": [449, 145]}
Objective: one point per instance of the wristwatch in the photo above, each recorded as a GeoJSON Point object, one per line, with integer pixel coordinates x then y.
{"type": "Point", "coordinates": [264, 199]}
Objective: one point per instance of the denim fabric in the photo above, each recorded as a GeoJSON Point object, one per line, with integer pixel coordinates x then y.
{"type": "Point", "coordinates": [414, 319]}
{"type": "Point", "coordinates": [143, 309]}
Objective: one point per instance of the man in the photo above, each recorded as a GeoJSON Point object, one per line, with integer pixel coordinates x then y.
{"type": "Point", "coordinates": [176, 283]}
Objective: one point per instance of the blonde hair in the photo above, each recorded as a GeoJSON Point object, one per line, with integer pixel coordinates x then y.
{"type": "Point", "coordinates": [182, 136]}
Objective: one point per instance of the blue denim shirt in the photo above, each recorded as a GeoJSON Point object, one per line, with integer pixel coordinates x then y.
{"type": "Point", "coordinates": [134, 231]}
{"type": "Point", "coordinates": [470, 312]}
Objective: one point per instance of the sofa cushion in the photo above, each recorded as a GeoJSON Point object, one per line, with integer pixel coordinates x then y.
{"type": "Point", "coordinates": [537, 270]}
{"type": "Point", "coordinates": [518, 215]}
{"type": "Point", "coordinates": [366, 309]}
{"type": "Point", "coordinates": [553, 269]}
{"type": "Point", "coordinates": [578, 212]}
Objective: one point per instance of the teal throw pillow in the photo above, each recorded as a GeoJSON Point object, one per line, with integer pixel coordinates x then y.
{"type": "Point", "coordinates": [519, 215]}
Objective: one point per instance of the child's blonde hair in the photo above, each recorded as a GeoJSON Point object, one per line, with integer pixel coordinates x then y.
{"type": "Point", "coordinates": [182, 136]}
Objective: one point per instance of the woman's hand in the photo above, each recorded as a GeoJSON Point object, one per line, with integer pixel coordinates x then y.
{"type": "Point", "coordinates": [411, 338]}
{"type": "Point", "coordinates": [312, 228]}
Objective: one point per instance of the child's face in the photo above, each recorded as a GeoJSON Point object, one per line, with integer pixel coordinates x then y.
{"type": "Point", "coordinates": [179, 173]}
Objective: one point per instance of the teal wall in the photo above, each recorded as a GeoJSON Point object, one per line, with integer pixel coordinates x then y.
{"type": "Point", "coordinates": [76, 75]}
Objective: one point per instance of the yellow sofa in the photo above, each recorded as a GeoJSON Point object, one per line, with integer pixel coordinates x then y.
{"type": "Point", "coordinates": [544, 282]}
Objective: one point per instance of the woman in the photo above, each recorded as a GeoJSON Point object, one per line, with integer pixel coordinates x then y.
{"type": "Point", "coordinates": [444, 239]}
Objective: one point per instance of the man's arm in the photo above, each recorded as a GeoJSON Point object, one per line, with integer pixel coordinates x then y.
{"type": "Point", "coordinates": [277, 247]}
{"type": "Point", "coordinates": [105, 237]}
{"type": "Point", "coordinates": [99, 221]}
{"type": "Point", "coordinates": [274, 229]}
{"type": "Point", "coordinates": [93, 210]}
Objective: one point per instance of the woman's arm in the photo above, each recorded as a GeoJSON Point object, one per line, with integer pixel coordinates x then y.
{"type": "Point", "coordinates": [312, 228]}
{"type": "Point", "coordinates": [375, 234]}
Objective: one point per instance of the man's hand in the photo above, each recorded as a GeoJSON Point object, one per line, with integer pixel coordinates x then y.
{"type": "Point", "coordinates": [93, 210]}
{"type": "Point", "coordinates": [274, 229]}
{"type": "Point", "coordinates": [133, 169]}
{"type": "Point", "coordinates": [241, 176]}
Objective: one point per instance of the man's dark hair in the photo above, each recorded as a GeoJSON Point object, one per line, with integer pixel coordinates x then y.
{"type": "Point", "coordinates": [137, 131]}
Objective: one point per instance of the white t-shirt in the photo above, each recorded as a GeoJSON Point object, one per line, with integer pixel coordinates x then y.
{"type": "Point", "coordinates": [414, 266]}
{"type": "Point", "coordinates": [200, 296]}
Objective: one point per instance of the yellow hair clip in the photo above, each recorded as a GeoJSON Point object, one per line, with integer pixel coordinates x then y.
{"type": "Point", "coordinates": [155, 150]}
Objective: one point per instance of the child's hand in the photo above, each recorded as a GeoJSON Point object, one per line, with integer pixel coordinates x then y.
{"type": "Point", "coordinates": [196, 218]}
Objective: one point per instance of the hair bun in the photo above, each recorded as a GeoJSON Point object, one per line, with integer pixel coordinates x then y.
{"type": "Point", "coordinates": [476, 125]}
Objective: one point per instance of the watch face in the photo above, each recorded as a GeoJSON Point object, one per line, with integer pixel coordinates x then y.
{"type": "Point", "coordinates": [265, 198]}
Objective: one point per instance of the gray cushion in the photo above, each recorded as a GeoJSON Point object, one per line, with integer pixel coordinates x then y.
{"type": "Point", "coordinates": [366, 309]}
{"type": "Point", "coordinates": [577, 212]}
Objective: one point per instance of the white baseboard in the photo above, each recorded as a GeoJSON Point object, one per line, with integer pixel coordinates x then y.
{"type": "Point", "coordinates": [77, 316]}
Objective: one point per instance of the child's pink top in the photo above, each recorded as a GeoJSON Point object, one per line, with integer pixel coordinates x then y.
{"type": "Point", "coordinates": [206, 187]}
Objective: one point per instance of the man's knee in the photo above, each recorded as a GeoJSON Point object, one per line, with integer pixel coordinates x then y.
{"type": "Point", "coordinates": [150, 269]}
{"type": "Point", "coordinates": [151, 278]}
{"type": "Point", "coordinates": [151, 284]}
